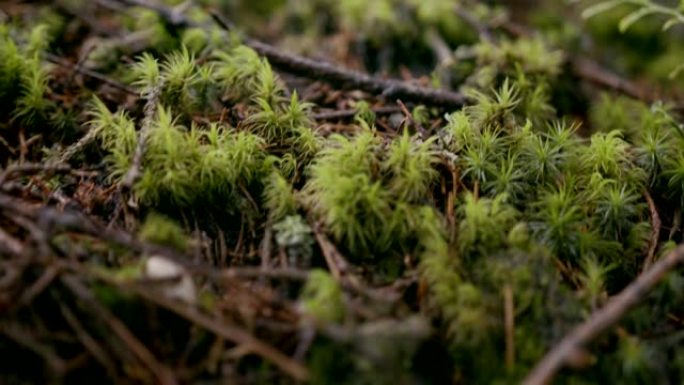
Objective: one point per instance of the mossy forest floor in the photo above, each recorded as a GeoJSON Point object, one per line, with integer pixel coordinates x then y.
{"type": "Point", "coordinates": [341, 192]}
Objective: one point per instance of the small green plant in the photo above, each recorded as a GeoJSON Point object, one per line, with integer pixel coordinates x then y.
{"type": "Point", "coordinates": [368, 200]}
{"type": "Point", "coordinates": [322, 298]}
{"type": "Point", "coordinates": [673, 15]}
{"type": "Point", "coordinates": [485, 225]}
{"type": "Point", "coordinates": [163, 231]}
{"type": "Point", "coordinates": [643, 8]}
{"type": "Point", "coordinates": [23, 78]}
{"type": "Point", "coordinates": [117, 135]}
{"type": "Point", "coordinates": [279, 197]}
{"type": "Point", "coordinates": [295, 236]}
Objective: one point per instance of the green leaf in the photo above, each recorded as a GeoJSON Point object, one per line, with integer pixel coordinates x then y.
{"type": "Point", "coordinates": [633, 17]}
{"type": "Point", "coordinates": [600, 8]}
{"type": "Point", "coordinates": [675, 72]}
{"type": "Point", "coordinates": [671, 23]}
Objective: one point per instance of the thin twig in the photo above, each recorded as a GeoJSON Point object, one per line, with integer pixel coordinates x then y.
{"type": "Point", "coordinates": [77, 147]}
{"type": "Point", "coordinates": [90, 343]}
{"type": "Point", "coordinates": [89, 73]}
{"type": "Point", "coordinates": [327, 72]}
{"type": "Point", "coordinates": [29, 168]}
{"type": "Point", "coordinates": [509, 325]}
{"type": "Point", "coordinates": [482, 29]}
{"type": "Point", "coordinates": [348, 114]}
{"type": "Point", "coordinates": [341, 269]}
{"type": "Point", "coordinates": [329, 253]}
{"type": "Point", "coordinates": [39, 286]}
{"type": "Point", "coordinates": [603, 318]}
{"type": "Point", "coordinates": [10, 245]}
{"type": "Point", "coordinates": [258, 272]}
{"type": "Point", "coordinates": [409, 119]}
{"type": "Point", "coordinates": [150, 110]}
{"type": "Point", "coordinates": [582, 67]}
{"type": "Point", "coordinates": [163, 374]}
{"type": "Point", "coordinates": [220, 328]}
{"type": "Point", "coordinates": [655, 232]}
{"type": "Point", "coordinates": [348, 79]}
{"type": "Point", "coordinates": [594, 73]}
{"type": "Point", "coordinates": [25, 339]}
{"type": "Point", "coordinates": [590, 70]}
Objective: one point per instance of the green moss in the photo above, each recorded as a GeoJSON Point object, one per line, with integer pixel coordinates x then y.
{"type": "Point", "coordinates": [322, 298]}
{"type": "Point", "coordinates": [163, 231]}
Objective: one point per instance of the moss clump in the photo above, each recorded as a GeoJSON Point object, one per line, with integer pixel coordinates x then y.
{"type": "Point", "coordinates": [368, 199]}
{"type": "Point", "coordinates": [163, 231]}
{"type": "Point", "coordinates": [23, 78]}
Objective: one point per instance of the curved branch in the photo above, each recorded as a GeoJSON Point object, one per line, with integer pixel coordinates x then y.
{"type": "Point", "coordinates": [298, 65]}
{"type": "Point", "coordinates": [603, 318]}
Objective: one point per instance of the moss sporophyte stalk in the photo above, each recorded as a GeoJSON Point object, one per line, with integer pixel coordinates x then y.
{"type": "Point", "coordinates": [182, 203]}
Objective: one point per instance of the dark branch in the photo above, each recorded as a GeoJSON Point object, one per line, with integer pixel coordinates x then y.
{"type": "Point", "coordinates": [339, 77]}
{"type": "Point", "coordinates": [603, 318]}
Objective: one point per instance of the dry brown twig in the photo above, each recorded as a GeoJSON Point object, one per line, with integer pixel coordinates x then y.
{"type": "Point", "coordinates": [408, 118]}
{"type": "Point", "coordinates": [582, 67]}
{"type": "Point", "coordinates": [327, 72]}
{"type": "Point", "coordinates": [509, 325]}
{"type": "Point", "coordinates": [342, 270]}
{"type": "Point", "coordinates": [91, 344]}
{"type": "Point", "coordinates": [603, 318]}
{"type": "Point", "coordinates": [655, 232]}
{"type": "Point", "coordinates": [163, 374]}
{"type": "Point", "coordinates": [90, 73]}
{"type": "Point", "coordinates": [152, 101]}
{"type": "Point", "coordinates": [348, 114]}
{"type": "Point", "coordinates": [30, 168]}
{"type": "Point", "coordinates": [219, 327]}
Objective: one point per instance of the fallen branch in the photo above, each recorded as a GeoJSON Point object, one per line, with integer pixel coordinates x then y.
{"type": "Point", "coordinates": [582, 67]}
{"type": "Point", "coordinates": [222, 329]}
{"type": "Point", "coordinates": [347, 79]}
{"type": "Point", "coordinates": [348, 114]}
{"type": "Point", "coordinates": [163, 374]}
{"type": "Point", "coordinates": [30, 168]}
{"type": "Point", "coordinates": [342, 270]}
{"type": "Point", "coordinates": [150, 111]}
{"type": "Point", "coordinates": [298, 65]}
{"type": "Point", "coordinates": [594, 73]}
{"type": "Point", "coordinates": [655, 232]}
{"type": "Point", "coordinates": [509, 326]}
{"type": "Point", "coordinates": [590, 70]}
{"type": "Point", "coordinates": [603, 318]}
{"type": "Point", "coordinates": [89, 73]}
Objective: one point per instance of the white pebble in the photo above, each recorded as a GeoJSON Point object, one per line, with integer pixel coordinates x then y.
{"type": "Point", "coordinates": [158, 267]}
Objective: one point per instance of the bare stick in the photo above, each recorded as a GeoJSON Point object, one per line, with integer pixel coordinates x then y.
{"type": "Point", "coordinates": [594, 73]}
{"type": "Point", "coordinates": [163, 374]}
{"type": "Point", "coordinates": [348, 114]}
{"type": "Point", "coordinates": [603, 318]}
{"type": "Point", "coordinates": [584, 68]}
{"type": "Point", "coordinates": [92, 346]}
{"type": "Point", "coordinates": [10, 245]}
{"type": "Point", "coordinates": [220, 328]}
{"type": "Point", "coordinates": [348, 79]}
{"type": "Point", "coordinates": [315, 69]}
{"type": "Point", "coordinates": [150, 110]}
{"type": "Point", "coordinates": [24, 338]}
{"type": "Point", "coordinates": [91, 74]}
{"type": "Point", "coordinates": [590, 70]}
{"type": "Point", "coordinates": [509, 325]}
{"type": "Point", "coordinates": [77, 147]}
{"type": "Point", "coordinates": [265, 247]}
{"type": "Point", "coordinates": [29, 168]}
{"type": "Point", "coordinates": [655, 231]}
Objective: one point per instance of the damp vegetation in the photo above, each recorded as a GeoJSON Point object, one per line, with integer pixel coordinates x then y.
{"type": "Point", "coordinates": [341, 192]}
